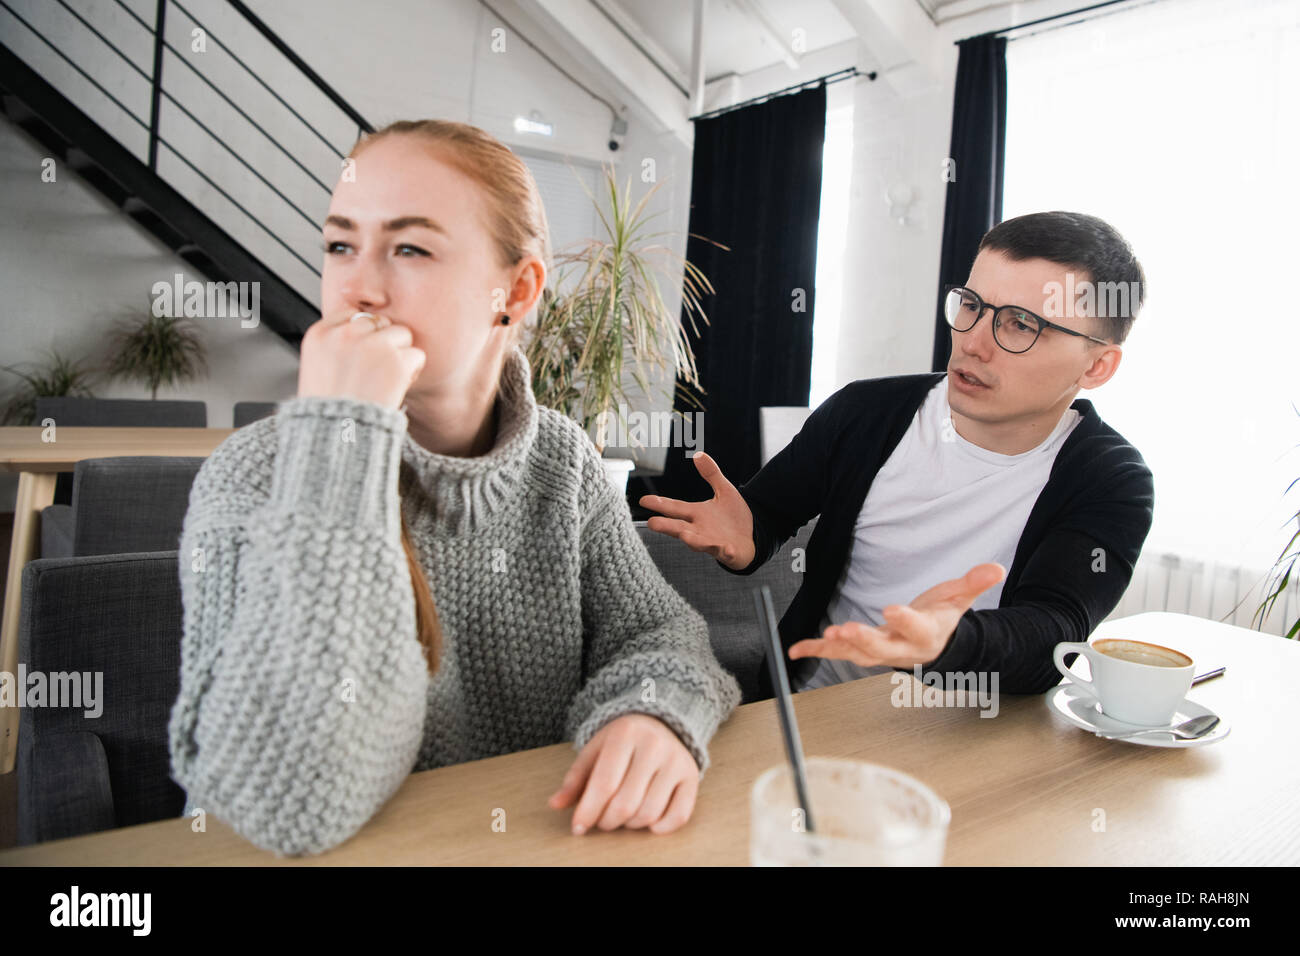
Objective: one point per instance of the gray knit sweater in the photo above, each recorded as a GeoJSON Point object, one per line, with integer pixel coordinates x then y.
{"type": "Point", "coordinates": [305, 700]}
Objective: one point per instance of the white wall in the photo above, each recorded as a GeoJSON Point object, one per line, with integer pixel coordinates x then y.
{"type": "Point", "coordinates": [900, 141]}
{"type": "Point", "coordinates": [72, 259]}
{"type": "Point", "coordinates": [902, 129]}
{"type": "Point", "coordinates": [70, 263]}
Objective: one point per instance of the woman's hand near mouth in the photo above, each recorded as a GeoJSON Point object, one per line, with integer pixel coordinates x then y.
{"type": "Point", "coordinates": [346, 359]}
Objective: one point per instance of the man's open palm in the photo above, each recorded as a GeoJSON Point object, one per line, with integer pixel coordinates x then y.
{"type": "Point", "coordinates": [723, 526]}
{"type": "Point", "coordinates": [912, 634]}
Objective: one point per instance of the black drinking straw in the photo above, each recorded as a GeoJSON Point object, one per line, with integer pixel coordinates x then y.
{"type": "Point", "coordinates": [784, 700]}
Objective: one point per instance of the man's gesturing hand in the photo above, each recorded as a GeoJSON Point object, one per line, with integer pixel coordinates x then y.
{"type": "Point", "coordinates": [723, 526]}
{"type": "Point", "coordinates": [913, 634]}
{"type": "Point", "coordinates": [634, 773]}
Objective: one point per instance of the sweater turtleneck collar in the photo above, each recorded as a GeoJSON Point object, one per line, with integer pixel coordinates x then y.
{"type": "Point", "coordinates": [468, 492]}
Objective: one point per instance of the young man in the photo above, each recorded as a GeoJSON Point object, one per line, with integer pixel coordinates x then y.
{"type": "Point", "coordinates": [993, 464]}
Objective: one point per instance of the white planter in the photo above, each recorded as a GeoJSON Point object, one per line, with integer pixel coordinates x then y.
{"type": "Point", "coordinates": [617, 470]}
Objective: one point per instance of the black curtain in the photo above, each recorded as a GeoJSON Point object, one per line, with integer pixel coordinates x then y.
{"type": "Point", "coordinates": [756, 188]}
{"type": "Point", "coordinates": [977, 151]}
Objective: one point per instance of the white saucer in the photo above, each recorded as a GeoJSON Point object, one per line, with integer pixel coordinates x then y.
{"type": "Point", "coordinates": [1082, 711]}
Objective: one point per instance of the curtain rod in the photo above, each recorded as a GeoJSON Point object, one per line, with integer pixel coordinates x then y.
{"type": "Point", "coordinates": [847, 73]}
{"type": "Point", "coordinates": [1034, 23]}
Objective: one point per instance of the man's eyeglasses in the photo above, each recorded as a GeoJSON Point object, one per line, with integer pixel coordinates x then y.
{"type": "Point", "coordinates": [1014, 329]}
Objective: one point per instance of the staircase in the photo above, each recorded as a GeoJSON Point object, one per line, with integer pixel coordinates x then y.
{"type": "Point", "coordinates": [157, 186]}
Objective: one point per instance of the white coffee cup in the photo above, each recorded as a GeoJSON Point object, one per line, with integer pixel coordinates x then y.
{"type": "Point", "coordinates": [1135, 682]}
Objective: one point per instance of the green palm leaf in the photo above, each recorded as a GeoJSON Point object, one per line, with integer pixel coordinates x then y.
{"type": "Point", "coordinates": [604, 323]}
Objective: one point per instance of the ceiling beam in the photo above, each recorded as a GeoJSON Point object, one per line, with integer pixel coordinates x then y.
{"type": "Point", "coordinates": [769, 30]}
{"type": "Point", "coordinates": [901, 37]}
{"type": "Point", "coordinates": [635, 73]}
{"type": "Point", "coordinates": [666, 62]}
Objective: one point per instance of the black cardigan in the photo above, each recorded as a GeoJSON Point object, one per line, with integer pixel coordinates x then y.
{"type": "Point", "coordinates": [1095, 510]}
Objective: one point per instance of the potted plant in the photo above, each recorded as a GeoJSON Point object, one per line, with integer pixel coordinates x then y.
{"type": "Point", "coordinates": [604, 319]}
{"type": "Point", "coordinates": [60, 377]}
{"type": "Point", "coordinates": [157, 350]}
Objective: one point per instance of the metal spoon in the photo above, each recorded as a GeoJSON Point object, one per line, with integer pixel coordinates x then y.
{"type": "Point", "coordinates": [1187, 730]}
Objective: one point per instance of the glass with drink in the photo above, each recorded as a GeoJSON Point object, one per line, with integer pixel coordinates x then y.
{"type": "Point", "coordinates": [864, 815]}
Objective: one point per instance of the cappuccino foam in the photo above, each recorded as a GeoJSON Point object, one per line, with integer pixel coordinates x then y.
{"type": "Point", "coordinates": [1136, 652]}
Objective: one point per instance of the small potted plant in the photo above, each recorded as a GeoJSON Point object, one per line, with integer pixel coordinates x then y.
{"type": "Point", "coordinates": [604, 319]}
{"type": "Point", "coordinates": [157, 350]}
{"type": "Point", "coordinates": [60, 376]}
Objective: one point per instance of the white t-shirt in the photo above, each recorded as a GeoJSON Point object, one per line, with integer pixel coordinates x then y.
{"type": "Point", "coordinates": [938, 506]}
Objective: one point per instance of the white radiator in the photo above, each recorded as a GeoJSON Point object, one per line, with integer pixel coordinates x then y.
{"type": "Point", "coordinates": [1219, 592]}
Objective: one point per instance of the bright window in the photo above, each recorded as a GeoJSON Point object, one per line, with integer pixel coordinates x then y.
{"type": "Point", "coordinates": [1177, 124]}
{"type": "Point", "coordinates": [832, 229]}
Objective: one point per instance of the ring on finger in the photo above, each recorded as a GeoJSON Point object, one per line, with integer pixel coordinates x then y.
{"type": "Point", "coordinates": [377, 322]}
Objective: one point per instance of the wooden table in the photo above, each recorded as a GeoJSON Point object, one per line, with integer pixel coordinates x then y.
{"type": "Point", "coordinates": [37, 460]}
{"type": "Point", "coordinates": [1024, 786]}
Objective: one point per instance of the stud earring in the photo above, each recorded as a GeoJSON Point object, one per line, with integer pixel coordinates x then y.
{"type": "Point", "coordinates": [505, 319]}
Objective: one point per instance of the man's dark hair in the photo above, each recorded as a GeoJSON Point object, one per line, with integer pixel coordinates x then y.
{"type": "Point", "coordinates": [1088, 245]}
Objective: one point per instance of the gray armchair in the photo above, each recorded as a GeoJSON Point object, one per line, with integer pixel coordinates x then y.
{"type": "Point", "coordinates": [120, 616]}
{"type": "Point", "coordinates": [124, 504]}
{"type": "Point", "coordinates": [114, 412]}
{"type": "Point", "coordinates": [121, 412]}
{"type": "Point", "coordinates": [726, 600]}
{"type": "Point", "coordinates": [246, 413]}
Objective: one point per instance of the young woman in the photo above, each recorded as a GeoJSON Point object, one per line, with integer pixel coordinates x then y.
{"type": "Point", "coordinates": [411, 564]}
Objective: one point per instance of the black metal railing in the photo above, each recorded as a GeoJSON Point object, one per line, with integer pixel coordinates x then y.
{"type": "Point", "coordinates": [160, 92]}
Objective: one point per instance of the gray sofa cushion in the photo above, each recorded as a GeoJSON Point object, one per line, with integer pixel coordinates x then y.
{"type": "Point", "coordinates": [121, 505]}
{"type": "Point", "coordinates": [67, 780]}
{"type": "Point", "coordinates": [56, 531]}
{"type": "Point", "coordinates": [245, 413]}
{"type": "Point", "coordinates": [726, 600]}
{"type": "Point", "coordinates": [121, 412]}
{"type": "Point", "coordinates": [119, 615]}
{"type": "Point", "coordinates": [131, 503]}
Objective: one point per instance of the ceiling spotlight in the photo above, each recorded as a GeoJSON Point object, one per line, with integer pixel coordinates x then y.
{"type": "Point", "coordinates": [534, 123]}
